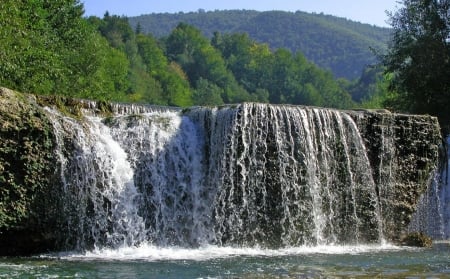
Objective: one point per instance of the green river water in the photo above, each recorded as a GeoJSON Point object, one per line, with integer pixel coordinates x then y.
{"type": "Point", "coordinates": [220, 262]}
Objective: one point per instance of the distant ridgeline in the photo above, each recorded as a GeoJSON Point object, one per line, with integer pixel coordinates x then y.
{"type": "Point", "coordinates": [80, 174]}
{"type": "Point", "coordinates": [333, 43]}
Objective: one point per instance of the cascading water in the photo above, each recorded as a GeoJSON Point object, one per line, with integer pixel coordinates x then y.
{"type": "Point", "coordinates": [293, 176]}
{"type": "Point", "coordinates": [99, 197]}
{"type": "Point", "coordinates": [250, 175]}
{"type": "Point", "coordinates": [166, 152]}
{"type": "Point", "coordinates": [445, 194]}
{"type": "Point", "coordinates": [433, 215]}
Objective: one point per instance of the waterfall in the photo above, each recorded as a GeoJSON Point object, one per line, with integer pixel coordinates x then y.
{"type": "Point", "coordinates": [445, 193]}
{"type": "Point", "coordinates": [433, 214]}
{"type": "Point", "coordinates": [245, 175]}
{"type": "Point", "coordinates": [293, 176]}
{"type": "Point", "coordinates": [165, 150]}
{"type": "Point", "coordinates": [98, 190]}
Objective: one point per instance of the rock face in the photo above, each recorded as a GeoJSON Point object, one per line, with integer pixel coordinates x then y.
{"type": "Point", "coordinates": [26, 172]}
{"type": "Point", "coordinates": [249, 174]}
{"type": "Point", "coordinates": [403, 151]}
{"type": "Point", "coordinates": [417, 239]}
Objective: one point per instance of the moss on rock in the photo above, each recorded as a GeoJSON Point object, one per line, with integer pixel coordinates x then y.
{"type": "Point", "coordinates": [26, 167]}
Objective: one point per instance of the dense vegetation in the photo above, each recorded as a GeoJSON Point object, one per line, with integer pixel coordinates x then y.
{"type": "Point", "coordinates": [49, 48]}
{"type": "Point", "coordinates": [27, 163]}
{"type": "Point", "coordinates": [333, 43]}
{"type": "Point", "coordinates": [418, 60]}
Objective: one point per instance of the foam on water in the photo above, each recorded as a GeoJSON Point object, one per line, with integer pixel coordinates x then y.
{"type": "Point", "coordinates": [151, 253]}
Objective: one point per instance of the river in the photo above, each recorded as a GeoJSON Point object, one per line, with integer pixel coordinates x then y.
{"type": "Point", "coordinates": [383, 261]}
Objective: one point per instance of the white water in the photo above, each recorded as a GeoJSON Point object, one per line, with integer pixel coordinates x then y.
{"type": "Point", "coordinates": [433, 213]}
{"type": "Point", "coordinates": [445, 195]}
{"type": "Point", "coordinates": [152, 253]}
{"type": "Point", "coordinates": [99, 195]}
{"type": "Point", "coordinates": [295, 176]}
{"type": "Point", "coordinates": [165, 150]}
{"type": "Point", "coordinates": [162, 184]}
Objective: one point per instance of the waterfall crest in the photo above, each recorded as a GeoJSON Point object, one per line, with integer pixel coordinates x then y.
{"type": "Point", "coordinates": [245, 175]}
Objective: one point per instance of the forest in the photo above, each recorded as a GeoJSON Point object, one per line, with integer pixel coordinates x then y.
{"type": "Point", "coordinates": [50, 47]}
{"type": "Point", "coordinates": [342, 46]}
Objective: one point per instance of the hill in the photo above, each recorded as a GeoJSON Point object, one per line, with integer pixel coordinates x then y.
{"type": "Point", "coordinates": [333, 43]}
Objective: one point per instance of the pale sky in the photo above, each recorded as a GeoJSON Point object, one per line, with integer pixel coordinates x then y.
{"type": "Point", "coordinates": [365, 11]}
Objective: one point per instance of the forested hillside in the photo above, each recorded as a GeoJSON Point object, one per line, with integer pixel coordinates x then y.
{"type": "Point", "coordinates": [48, 47]}
{"type": "Point", "coordinates": [341, 45]}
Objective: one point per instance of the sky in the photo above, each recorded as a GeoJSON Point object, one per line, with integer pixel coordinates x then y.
{"type": "Point", "coordinates": [366, 11]}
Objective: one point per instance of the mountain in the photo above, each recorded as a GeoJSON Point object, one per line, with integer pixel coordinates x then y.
{"type": "Point", "coordinates": [340, 45]}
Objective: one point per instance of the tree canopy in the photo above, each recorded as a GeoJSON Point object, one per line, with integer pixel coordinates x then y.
{"type": "Point", "coordinates": [332, 43]}
{"type": "Point", "coordinates": [418, 59]}
{"type": "Point", "coordinates": [48, 47]}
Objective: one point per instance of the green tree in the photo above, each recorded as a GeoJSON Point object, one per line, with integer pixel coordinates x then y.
{"type": "Point", "coordinates": [152, 54]}
{"type": "Point", "coordinates": [200, 60]}
{"type": "Point", "coordinates": [30, 53]}
{"type": "Point", "coordinates": [419, 58]}
{"type": "Point", "coordinates": [379, 96]}
{"type": "Point", "coordinates": [139, 84]}
{"type": "Point", "coordinates": [176, 88]}
{"type": "Point", "coordinates": [207, 93]}
{"type": "Point", "coordinates": [189, 48]}
{"type": "Point", "coordinates": [48, 47]}
{"type": "Point", "coordinates": [279, 76]}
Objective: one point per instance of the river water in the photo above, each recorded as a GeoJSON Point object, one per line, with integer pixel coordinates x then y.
{"type": "Point", "coordinates": [213, 262]}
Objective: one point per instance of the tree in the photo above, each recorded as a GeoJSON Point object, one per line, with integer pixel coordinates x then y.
{"type": "Point", "coordinates": [199, 59]}
{"type": "Point", "coordinates": [190, 49]}
{"type": "Point", "coordinates": [419, 58]}
{"type": "Point", "coordinates": [47, 47]}
{"type": "Point", "coordinates": [30, 50]}
{"type": "Point", "coordinates": [207, 93]}
{"type": "Point", "coordinates": [173, 80]}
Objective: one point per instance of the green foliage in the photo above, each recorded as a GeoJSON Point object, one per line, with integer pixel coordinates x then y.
{"type": "Point", "coordinates": [419, 58]}
{"type": "Point", "coordinates": [26, 159]}
{"type": "Point", "coordinates": [371, 89]}
{"type": "Point", "coordinates": [187, 47]}
{"type": "Point", "coordinates": [59, 52]}
{"type": "Point", "coordinates": [279, 76]}
{"type": "Point", "coordinates": [175, 88]}
{"type": "Point", "coordinates": [333, 43]}
{"type": "Point", "coordinates": [193, 52]}
{"type": "Point", "coordinates": [47, 47]}
{"type": "Point", "coordinates": [207, 93]}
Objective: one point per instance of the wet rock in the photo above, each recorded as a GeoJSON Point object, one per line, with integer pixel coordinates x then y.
{"type": "Point", "coordinates": [416, 239]}
{"type": "Point", "coordinates": [403, 151]}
